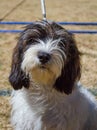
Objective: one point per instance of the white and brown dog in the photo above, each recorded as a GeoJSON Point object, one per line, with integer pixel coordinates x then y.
{"type": "Point", "coordinates": [45, 76]}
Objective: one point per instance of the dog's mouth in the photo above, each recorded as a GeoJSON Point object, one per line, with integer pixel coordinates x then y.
{"type": "Point", "coordinates": [44, 67]}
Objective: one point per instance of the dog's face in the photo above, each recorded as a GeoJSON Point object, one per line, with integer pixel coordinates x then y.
{"type": "Point", "coordinates": [44, 60]}
{"type": "Point", "coordinates": [46, 54]}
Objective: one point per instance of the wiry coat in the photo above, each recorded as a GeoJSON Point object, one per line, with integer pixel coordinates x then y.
{"type": "Point", "coordinates": [45, 73]}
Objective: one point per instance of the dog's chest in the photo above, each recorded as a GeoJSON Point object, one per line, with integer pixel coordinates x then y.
{"type": "Point", "coordinates": [52, 110]}
{"type": "Point", "coordinates": [56, 111]}
{"type": "Point", "coordinates": [38, 111]}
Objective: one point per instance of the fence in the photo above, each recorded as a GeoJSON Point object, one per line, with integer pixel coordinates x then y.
{"type": "Point", "coordinates": [62, 23]}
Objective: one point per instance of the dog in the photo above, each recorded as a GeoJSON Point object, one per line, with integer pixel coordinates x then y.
{"type": "Point", "coordinates": [45, 74]}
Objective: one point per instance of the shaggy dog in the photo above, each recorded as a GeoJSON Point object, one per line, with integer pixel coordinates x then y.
{"type": "Point", "coordinates": [45, 75]}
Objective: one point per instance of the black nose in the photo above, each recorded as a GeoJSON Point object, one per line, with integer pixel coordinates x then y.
{"type": "Point", "coordinates": [43, 57]}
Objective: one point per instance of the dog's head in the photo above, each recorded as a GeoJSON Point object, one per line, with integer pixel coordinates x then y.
{"type": "Point", "coordinates": [47, 54]}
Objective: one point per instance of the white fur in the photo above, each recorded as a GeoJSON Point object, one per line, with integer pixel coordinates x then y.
{"type": "Point", "coordinates": [40, 108]}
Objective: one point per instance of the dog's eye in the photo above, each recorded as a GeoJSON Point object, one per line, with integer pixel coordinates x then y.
{"type": "Point", "coordinates": [62, 44]}
{"type": "Point", "coordinates": [31, 41]}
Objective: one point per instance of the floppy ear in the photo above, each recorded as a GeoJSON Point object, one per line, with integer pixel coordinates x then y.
{"type": "Point", "coordinates": [71, 71]}
{"type": "Point", "coordinates": [17, 77]}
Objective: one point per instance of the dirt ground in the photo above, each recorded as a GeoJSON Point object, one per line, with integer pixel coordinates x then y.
{"type": "Point", "coordinates": [57, 10]}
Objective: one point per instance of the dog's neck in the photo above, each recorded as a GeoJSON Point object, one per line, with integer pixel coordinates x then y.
{"type": "Point", "coordinates": [48, 93]}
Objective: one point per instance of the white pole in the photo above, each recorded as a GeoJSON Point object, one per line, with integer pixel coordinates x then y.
{"type": "Point", "coordinates": [43, 9]}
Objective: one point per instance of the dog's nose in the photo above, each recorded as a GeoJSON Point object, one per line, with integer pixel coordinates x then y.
{"type": "Point", "coordinates": [44, 57]}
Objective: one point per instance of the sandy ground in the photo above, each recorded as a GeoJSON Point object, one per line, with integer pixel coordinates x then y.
{"type": "Point", "coordinates": [57, 10]}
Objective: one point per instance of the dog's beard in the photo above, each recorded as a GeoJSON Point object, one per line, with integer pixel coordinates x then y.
{"type": "Point", "coordinates": [44, 74]}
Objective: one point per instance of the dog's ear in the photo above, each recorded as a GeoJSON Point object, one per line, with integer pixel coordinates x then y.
{"type": "Point", "coordinates": [71, 71]}
{"type": "Point", "coordinates": [18, 78]}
